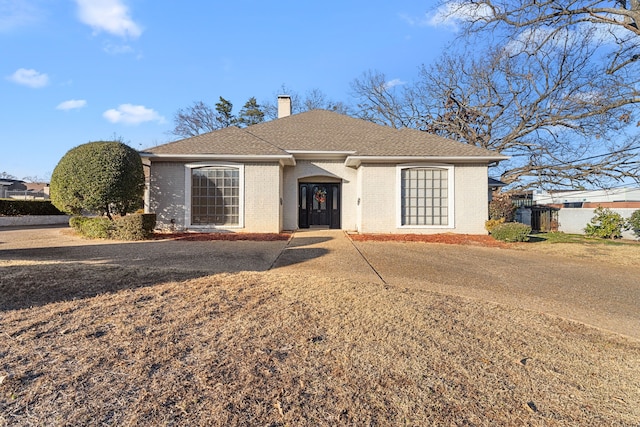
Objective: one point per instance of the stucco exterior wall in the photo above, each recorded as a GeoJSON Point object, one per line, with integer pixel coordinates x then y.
{"type": "Point", "coordinates": [377, 199]}
{"type": "Point", "coordinates": [166, 194]}
{"type": "Point", "coordinates": [262, 192]}
{"type": "Point", "coordinates": [262, 198]}
{"type": "Point", "coordinates": [472, 203]}
{"type": "Point", "coordinates": [320, 171]}
{"type": "Point", "coordinates": [369, 196]}
{"type": "Point", "coordinates": [380, 193]}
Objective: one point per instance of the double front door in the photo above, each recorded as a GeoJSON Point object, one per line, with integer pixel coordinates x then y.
{"type": "Point", "coordinates": [319, 205]}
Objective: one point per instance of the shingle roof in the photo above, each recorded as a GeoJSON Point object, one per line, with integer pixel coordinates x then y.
{"type": "Point", "coordinates": [227, 141]}
{"type": "Point", "coordinates": [321, 130]}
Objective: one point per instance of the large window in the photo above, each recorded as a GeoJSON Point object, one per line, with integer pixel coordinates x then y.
{"type": "Point", "coordinates": [215, 196]}
{"type": "Point", "coordinates": [425, 198]}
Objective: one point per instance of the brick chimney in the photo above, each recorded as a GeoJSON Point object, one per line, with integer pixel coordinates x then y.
{"type": "Point", "coordinates": [284, 106]}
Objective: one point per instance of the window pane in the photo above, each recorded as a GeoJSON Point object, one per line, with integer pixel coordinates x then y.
{"type": "Point", "coordinates": [213, 189]}
{"type": "Point", "coordinates": [424, 193]}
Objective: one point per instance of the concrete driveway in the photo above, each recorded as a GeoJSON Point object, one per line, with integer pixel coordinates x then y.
{"type": "Point", "coordinates": [55, 243]}
{"type": "Point", "coordinates": [603, 296]}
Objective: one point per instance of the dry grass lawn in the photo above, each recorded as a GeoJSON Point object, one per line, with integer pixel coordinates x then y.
{"type": "Point", "coordinates": [274, 350]}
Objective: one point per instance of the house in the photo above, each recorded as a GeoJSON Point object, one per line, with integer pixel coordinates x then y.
{"type": "Point", "coordinates": [319, 169]}
{"type": "Point", "coordinates": [622, 197]}
{"type": "Point", "coordinates": [569, 211]}
{"type": "Point", "coordinates": [19, 189]}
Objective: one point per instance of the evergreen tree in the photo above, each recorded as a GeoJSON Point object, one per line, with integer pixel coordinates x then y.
{"type": "Point", "coordinates": [251, 113]}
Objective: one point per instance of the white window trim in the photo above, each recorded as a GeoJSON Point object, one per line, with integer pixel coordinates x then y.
{"type": "Point", "coordinates": [450, 195]}
{"type": "Point", "coordinates": [188, 168]}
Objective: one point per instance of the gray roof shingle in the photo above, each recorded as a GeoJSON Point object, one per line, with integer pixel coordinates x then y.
{"type": "Point", "coordinates": [321, 130]}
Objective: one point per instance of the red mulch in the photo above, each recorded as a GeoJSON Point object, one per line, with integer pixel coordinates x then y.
{"type": "Point", "coordinates": [447, 238]}
{"type": "Point", "coordinates": [203, 237]}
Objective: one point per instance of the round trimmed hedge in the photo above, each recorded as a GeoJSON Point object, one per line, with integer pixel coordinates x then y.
{"type": "Point", "coordinates": [102, 177]}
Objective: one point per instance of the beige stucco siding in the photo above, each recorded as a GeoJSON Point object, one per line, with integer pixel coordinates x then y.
{"type": "Point", "coordinates": [377, 198]}
{"type": "Point", "coordinates": [380, 197]}
{"type": "Point", "coordinates": [166, 194]}
{"type": "Point", "coordinates": [262, 197]}
{"type": "Point", "coordinates": [472, 203]}
{"type": "Point", "coordinates": [321, 171]}
{"type": "Point", "coordinates": [261, 207]}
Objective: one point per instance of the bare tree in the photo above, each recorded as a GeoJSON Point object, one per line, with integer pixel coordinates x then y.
{"type": "Point", "coordinates": [194, 120]}
{"type": "Point", "coordinates": [615, 21]}
{"type": "Point", "coordinates": [312, 100]}
{"type": "Point", "coordinates": [6, 175]}
{"type": "Point", "coordinates": [548, 97]}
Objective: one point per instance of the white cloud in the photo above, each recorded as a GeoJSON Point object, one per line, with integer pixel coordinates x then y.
{"type": "Point", "coordinates": [114, 49]}
{"type": "Point", "coordinates": [393, 83]}
{"type": "Point", "coordinates": [132, 114]}
{"type": "Point", "coordinates": [71, 104]}
{"type": "Point", "coordinates": [111, 16]}
{"type": "Point", "coordinates": [17, 13]}
{"type": "Point", "coordinates": [452, 13]}
{"type": "Point", "coordinates": [29, 77]}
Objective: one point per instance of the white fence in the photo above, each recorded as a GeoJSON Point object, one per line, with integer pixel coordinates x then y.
{"type": "Point", "coordinates": [574, 220]}
{"type": "Point", "coordinates": [26, 195]}
{"type": "Point", "coordinates": [26, 220]}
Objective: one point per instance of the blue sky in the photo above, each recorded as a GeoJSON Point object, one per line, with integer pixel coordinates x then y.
{"type": "Point", "coordinates": [74, 71]}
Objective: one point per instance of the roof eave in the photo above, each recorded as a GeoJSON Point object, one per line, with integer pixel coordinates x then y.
{"type": "Point", "coordinates": [283, 159]}
{"type": "Point", "coordinates": [356, 161]}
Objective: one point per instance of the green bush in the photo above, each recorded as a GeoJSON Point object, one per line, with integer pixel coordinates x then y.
{"type": "Point", "coordinates": [134, 227]}
{"type": "Point", "coordinates": [15, 207]}
{"type": "Point", "coordinates": [633, 223]}
{"type": "Point", "coordinates": [511, 232]}
{"type": "Point", "coordinates": [606, 224]}
{"type": "Point", "coordinates": [130, 227]}
{"type": "Point", "coordinates": [102, 177]}
{"type": "Point", "coordinates": [92, 227]}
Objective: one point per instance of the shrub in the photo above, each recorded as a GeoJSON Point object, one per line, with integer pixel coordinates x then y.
{"type": "Point", "coordinates": [14, 207]}
{"type": "Point", "coordinates": [92, 227]}
{"type": "Point", "coordinates": [511, 232]}
{"type": "Point", "coordinates": [633, 223]}
{"type": "Point", "coordinates": [492, 223]}
{"type": "Point", "coordinates": [130, 227]}
{"type": "Point", "coordinates": [100, 177]}
{"type": "Point", "coordinates": [606, 224]}
{"type": "Point", "coordinates": [501, 206]}
{"type": "Point", "coordinates": [134, 227]}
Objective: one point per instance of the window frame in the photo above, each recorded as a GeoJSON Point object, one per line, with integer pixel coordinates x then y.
{"type": "Point", "coordinates": [188, 178]}
{"type": "Point", "coordinates": [450, 195]}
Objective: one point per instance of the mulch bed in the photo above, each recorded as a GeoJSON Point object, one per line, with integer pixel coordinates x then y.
{"type": "Point", "coordinates": [447, 238]}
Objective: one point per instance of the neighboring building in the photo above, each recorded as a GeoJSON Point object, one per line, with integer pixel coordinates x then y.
{"type": "Point", "coordinates": [18, 189]}
{"type": "Point", "coordinates": [570, 211]}
{"type": "Point", "coordinates": [319, 169]}
{"type": "Point", "coordinates": [494, 186]}
{"type": "Point", "coordinates": [619, 197]}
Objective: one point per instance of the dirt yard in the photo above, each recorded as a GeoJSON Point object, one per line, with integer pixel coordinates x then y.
{"type": "Point", "coordinates": [119, 343]}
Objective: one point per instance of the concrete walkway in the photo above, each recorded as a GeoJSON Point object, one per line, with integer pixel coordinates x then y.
{"type": "Point", "coordinates": [324, 252]}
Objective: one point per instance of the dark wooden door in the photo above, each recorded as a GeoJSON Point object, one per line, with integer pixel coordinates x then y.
{"type": "Point", "coordinates": [319, 205]}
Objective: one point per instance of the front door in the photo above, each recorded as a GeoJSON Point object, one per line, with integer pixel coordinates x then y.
{"type": "Point", "coordinates": [319, 205]}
